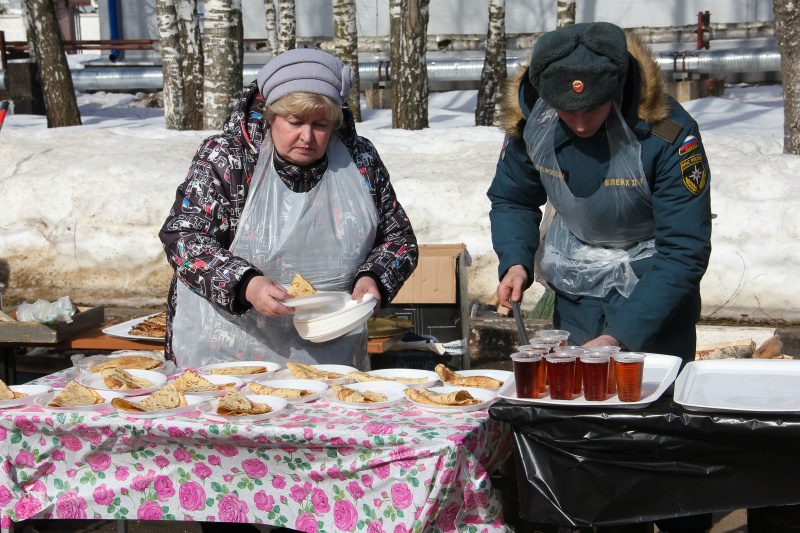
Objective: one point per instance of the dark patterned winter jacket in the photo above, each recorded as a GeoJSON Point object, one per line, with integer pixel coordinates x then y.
{"type": "Point", "coordinates": [203, 220]}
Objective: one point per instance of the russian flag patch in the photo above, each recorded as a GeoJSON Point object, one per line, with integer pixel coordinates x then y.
{"type": "Point", "coordinates": [689, 144]}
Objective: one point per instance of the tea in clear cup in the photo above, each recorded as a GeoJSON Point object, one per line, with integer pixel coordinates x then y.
{"type": "Point", "coordinates": [526, 373]}
{"type": "Point", "coordinates": [630, 369]}
{"type": "Point", "coordinates": [561, 371]}
{"type": "Point", "coordinates": [537, 348]}
{"type": "Point", "coordinates": [595, 375]}
{"type": "Point", "coordinates": [612, 375]}
{"type": "Point", "coordinates": [577, 383]}
{"type": "Point", "coordinates": [561, 335]}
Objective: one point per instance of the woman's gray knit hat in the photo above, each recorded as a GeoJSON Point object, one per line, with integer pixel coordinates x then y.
{"type": "Point", "coordinates": [305, 70]}
{"type": "Point", "coordinates": [581, 66]}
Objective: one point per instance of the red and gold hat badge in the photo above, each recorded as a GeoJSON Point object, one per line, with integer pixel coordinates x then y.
{"type": "Point", "coordinates": [577, 86]}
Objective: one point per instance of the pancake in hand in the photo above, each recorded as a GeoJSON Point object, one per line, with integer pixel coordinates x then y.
{"type": "Point", "coordinates": [167, 397]}
{"type": "Point", "coordinates": [345, 394]}
{"type": "Point", "coordinates": [301, 287]}
{"type": "Point", "coordinates": [453, 378]}
{"type": "Point", "coordinates": [191, 381]}
{"type": "Point", "coordinates": [427, 397]}
{"type": "Point", "coordinates": [118, 379]}
{"type": "Point", "coordinates": [76, 395]}
{"type": "Point", "coordinates": [239, 370]}
{"type": "Point", "coordinates": [128, 362]}
{"type": "Point", "coordinates": [363, 377]}
{"type": "Point", "coordinates": [8, 394]}
{"type": "Point", "coordinates": [236, 404]}
{"type": "Point", "coordinates": [258, 388]}
{"type": "Point", "coordinates": [302, 371]}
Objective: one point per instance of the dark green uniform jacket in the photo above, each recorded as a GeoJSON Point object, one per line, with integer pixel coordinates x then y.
{"type": "Point", "coordinates": [661, 313]}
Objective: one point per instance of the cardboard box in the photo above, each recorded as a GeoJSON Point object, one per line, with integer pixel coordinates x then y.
{"type": "Point", "coordinates": [435, 297]}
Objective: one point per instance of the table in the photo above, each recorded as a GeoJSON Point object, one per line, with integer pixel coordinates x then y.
{"type": "Point", "coordinates": [603, 467]}
{"type": "Point", "coordinates": [314, 468]}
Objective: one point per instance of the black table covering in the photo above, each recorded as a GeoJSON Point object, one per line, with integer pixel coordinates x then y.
{"type": "Point", "coordinates": [611, 466]}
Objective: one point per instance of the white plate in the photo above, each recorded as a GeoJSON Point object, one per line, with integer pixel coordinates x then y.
{"type": "Point", "coordinates": [350, 305]}
{"type": "Point", "coordinates": [502, 375]}
{"type": "Point", "coordinates": [329, 301]}
{"type": "Point", "coordinates": [96, 382]}
{"type": "Point", "coordinates": [486, 397]}
{"type": "Point", "coordinates": [32, 391]}
{"type": "Point", "coordinates": [342, 331]}
{"type": "Point", "coordinates": [413, 373]}
{"type": "Point", "coordinates": [748, 385]}
{"type": "Point", "coordinates": [121, 330]}
{"type": "Point", "coordinates": [44, 399]}
{"type": "Point", "coordinates": [341, 369]}
{"type": "Point", "coordinates": [329, 325]}
{"type": "Point", "coordinates": [193, 403]}
{"type": "Point", "coordinates": [275, 403]}
{"type": "Point", "coordinates": [305, 384]}
{"type": "Point", "coordinates": [392, 391]}
{"type": "Point", "coordinates": [659, 373]}
{"type": "Point", "coordinates": [218, 380]}
{"type": "Point", "coordinates": [271, 369]}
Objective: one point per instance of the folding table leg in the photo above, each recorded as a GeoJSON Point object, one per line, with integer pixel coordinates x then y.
{"type": "Point", "coordinates": [122, 526]}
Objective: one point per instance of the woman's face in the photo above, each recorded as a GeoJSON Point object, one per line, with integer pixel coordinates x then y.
{"type": "Point", "coordinates": [301, 140]}
{"type": "Point", "coordinates": [585, 123]}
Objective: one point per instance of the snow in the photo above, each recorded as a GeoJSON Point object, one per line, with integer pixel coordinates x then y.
{"type": "Point", "coordinates": [82, 206]}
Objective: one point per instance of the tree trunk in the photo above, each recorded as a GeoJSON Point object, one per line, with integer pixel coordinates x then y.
{"type": "Point", "coordinates": [787, 32]}
{"type": "Point", "coordinates": [29, 32]}
{"type": "Point", "coordinates": [59, 92]}
{"type": "Point", "coordinates": [409, 74]}
{"type": "Point", "coordinates": [493, 75]}
{"type": "Point", "coordinates": [345, 36]}
{"type": "Point", "coordinates": [287, 25]}
{"type": "Point", "coordinates": [272, 27]}
{"type": "Point", "coordinates": [192, 53]}
{"type": "Point", "coordinates": [566, 13]}
{"type": "Point", "coordinates": [171, 66]}
{"type": "Point", "coordinates": [223, 48]}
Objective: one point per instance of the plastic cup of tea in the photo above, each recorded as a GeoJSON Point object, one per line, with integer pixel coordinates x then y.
{"type": "Point", "coordinates": [595, 375]}
{"type": "Point", "coordinates": [629, 367]}
{"type": "Point", "coordinates": [544, 349]}
{"type": "Point", "coordinates": [561, 335]}
{"type": "Point", "coordinates": [612, 375]}
{"type": "Point", "coordinates": [526, 373]}
{"type": "Point", "coordinates": [561, 371]}
{"type": "Point", "coordinates": [577, 383]}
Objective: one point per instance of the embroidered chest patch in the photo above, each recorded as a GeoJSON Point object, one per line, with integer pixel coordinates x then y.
{"type": "Point", "coordinates": [694, 174]}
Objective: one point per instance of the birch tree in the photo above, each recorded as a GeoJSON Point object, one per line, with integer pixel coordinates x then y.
{"type": "Point", "coordinates": [787, 32]}
{"type": "Point", "coordinates": [566, 13]}
{"type": "Point", "coordinates": [287, 26]}
{"type": "Point", "coordinates": [272, 27]}
{"type": "Point", "coordinates": [345, 37]}
{"type": "Point", "coordinates": [409, 73]}
{"type": "Point", "coordinates": [223, 48]}
{"type": "Point", "coordinates": [59, 91]}
{"type": "Point", "coordinates": [181, 64]}
{"type": "Point", "coordinates": [494, 72]}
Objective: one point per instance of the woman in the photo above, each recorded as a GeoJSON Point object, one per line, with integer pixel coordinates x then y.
{"type": "Point", "coordinates": [287, 187]}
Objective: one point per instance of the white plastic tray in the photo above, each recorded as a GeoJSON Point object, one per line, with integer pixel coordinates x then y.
{"type": "Point", "coordinates": [659, 373]}
{"type": "Point", "coordinates": [751, 385]}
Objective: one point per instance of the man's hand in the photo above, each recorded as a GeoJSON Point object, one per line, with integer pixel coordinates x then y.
{"type": "Point", "coordinates": [510, 289]}
{"type": "Point", "coordinates": [603, 340]}
{"type": "Point", "coordinates": [366, 284]}
{"type": "Point", "coordinates": [264, 294]}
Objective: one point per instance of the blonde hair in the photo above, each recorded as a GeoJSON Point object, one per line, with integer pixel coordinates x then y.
{"type": "Point", "coordinates": [302, 104]}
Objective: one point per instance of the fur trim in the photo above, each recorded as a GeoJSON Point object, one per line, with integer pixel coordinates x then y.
{"type": "Point", "coordinates": [653, 103]}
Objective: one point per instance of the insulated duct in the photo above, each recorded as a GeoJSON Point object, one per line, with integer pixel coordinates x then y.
{"type": "Point", "coordinates": [441, 70]}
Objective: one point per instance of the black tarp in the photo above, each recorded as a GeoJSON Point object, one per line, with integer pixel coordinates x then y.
{"type": "Point", "coordinates": [602, 467]}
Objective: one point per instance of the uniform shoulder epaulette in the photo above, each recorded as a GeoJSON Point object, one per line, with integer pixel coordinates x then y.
{"type": "Point", "coordinates": [666, 129]}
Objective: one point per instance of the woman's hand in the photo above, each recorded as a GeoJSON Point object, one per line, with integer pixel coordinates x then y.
{"type": "Point", "coordinates": [510, 289]}
{"type": "Point", "coordinates": [366, 284]}
{"type": "Point", "coordinates": [264, 294]}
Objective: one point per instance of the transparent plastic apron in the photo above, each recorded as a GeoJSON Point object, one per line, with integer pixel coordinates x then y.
{"type": "Point", "coordinates": [324, 234]}
{"type": "Point", "coordinates": [591, 241]}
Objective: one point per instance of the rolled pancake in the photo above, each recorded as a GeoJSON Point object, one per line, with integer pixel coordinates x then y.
{"type": "Point", "coordinates": [302, 371]}
{"type": "Point", "coordinates": [364, 377]}
{"type": "Point", "coordinates": [427, 397]}
{"type": "Point", "coordinates": [239, 370]}
{"type": "Point", "coordinates": [345, 394]}
{"type": "Point", "coordinates": [258, 388]}
{"type": "Point", "coordinates": [118, 379]}
{"type": "Point", "coordinates": [454, 378]}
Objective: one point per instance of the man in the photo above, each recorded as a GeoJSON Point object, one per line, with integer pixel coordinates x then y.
{"type": "Point", "coordinates": [590, 129]}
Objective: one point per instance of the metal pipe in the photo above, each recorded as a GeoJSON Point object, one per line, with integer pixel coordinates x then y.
{"type": "Point", "coordinates": [469, 69]}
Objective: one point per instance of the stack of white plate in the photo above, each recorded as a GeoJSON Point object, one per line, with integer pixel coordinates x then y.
{"type": "Point", "coordinates": [321, 327]}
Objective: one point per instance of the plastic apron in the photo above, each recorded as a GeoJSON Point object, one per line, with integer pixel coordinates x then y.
{"type": "Point", "coordinates": [591, 241]}
{"type": "Point", "coordinates": [325, 234]}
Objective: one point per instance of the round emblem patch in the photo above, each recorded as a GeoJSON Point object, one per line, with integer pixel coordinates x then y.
{"type": "Point", "coordinates": [577, 86]}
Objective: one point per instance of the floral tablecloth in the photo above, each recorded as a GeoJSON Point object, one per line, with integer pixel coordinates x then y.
{"type": "Point", "coordinates": [315, 468]}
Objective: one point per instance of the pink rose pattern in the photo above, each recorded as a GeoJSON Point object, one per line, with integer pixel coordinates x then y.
{"type": "Point", "coordinates": [182, 469]}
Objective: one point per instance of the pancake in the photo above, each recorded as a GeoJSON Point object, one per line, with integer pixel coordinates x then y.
{"type": "Point", "coordinates": [301, 287]}
{"type": "Point", "coordinates": [76, 395]}
{"type": "Point", "coordinates": [453, 378]}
